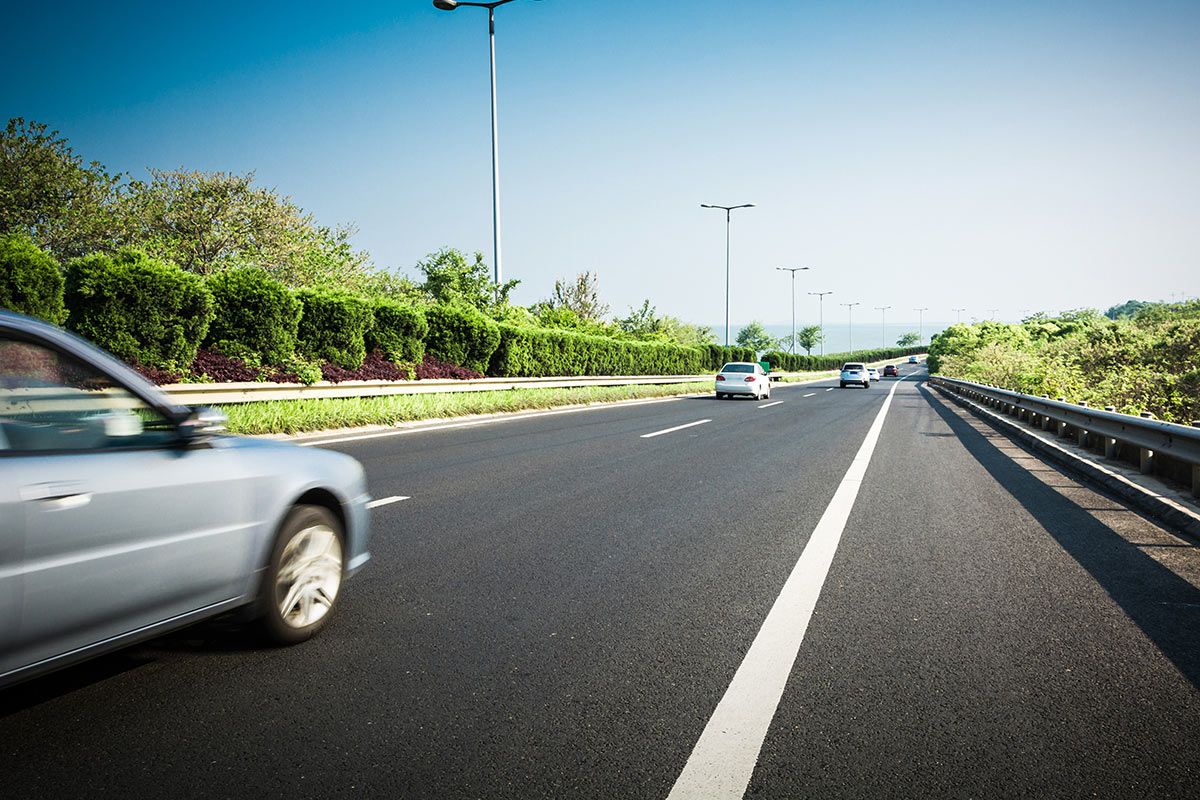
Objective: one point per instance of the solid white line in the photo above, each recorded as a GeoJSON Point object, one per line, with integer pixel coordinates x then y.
{"type": "Point", "coordinates": [723, 760]}
{"type": "Point", "coordinates": [676, 428]}
{"type": "Point", "coordinates": [811, 394]}
{"type": "Point", "coordinates": [768, 405]}
{"type": "Point", "coordinates": [491, 420]}
{"type": "Point", "coordinates": [383, 501]}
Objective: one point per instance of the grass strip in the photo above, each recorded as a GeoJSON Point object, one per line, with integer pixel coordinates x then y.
{"type": "Point", "coordinates": [300, 416]}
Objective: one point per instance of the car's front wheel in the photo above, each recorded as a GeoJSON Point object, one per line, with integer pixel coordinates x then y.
{"type": "Point", "coordinates": [300, 588]}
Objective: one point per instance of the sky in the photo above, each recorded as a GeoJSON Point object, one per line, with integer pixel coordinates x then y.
{"type": "Point", "coordinates": [1001, 158]}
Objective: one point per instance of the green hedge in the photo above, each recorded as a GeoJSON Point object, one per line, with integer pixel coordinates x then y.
{"type": "Point", "coordinates": [138, 308]}
{"type": "Point", "coordinates": [535, 352]}
{"type": "Point", "coordinates": [398, 330]}
{"type": "Point", "coordinates": [30, 280]}
{"type": "Point", "coordinates": [717, 356]}
{"type": "Point", "coordinates": [462, 335]}
{"type": "Point", "coordinates": [787, 362]}
{"type": "Point", "coordinates": [333, 325]}
{"type": "Point", "coordinates": [255, 314]}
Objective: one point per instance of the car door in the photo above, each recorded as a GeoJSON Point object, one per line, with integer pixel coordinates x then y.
{"type": "Point", "coordinates": [124, 527]}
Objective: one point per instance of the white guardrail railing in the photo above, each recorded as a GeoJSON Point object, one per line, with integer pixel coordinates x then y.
{"type": "Point", "coordinates": [1152, 437]}
{"type": "Point", "coordinates": [192, 394]}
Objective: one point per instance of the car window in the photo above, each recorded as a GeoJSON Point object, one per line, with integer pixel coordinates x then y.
{"type": "Point", "coordinates": [852, 367]}
{"type": "Point", "coordinates": [737, 368]}
{"type": "Point", "coordinates": [50, 401]}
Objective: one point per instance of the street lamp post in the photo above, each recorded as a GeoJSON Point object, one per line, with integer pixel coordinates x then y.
{"type": "Point", "coordinates": [821, 311]}
{"type": "Point", "coordinates": [850, 311]}
{"type": "Point", "coordinates": [883, 329]}
{"type": "Point", "coordinates": [992, 312]}
{"type": "Point", "coordinates": [793, 270]}
{"type": "Point", "coordinates": [959, 312]}
{"type": "Point", "coordinates": [727, 210]}
{"type": "Point", "coordinates": [921, 323]}
{"type": "Point", "coordinates": [451, 5]}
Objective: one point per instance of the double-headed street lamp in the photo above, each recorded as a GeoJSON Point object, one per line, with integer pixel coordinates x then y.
{"type": "Point", "coordinates": [959, 312]}
{"type": "Point", "coordinates": [451, 5]}
{"type": "Point", "coordinates": [727, 210]}
{"type": "Point", "coordinates": [793, 270]}
{"type": "Point", "coordinates": [850, 310]}
{"type": "Point", "coordinates": [821, 312]}
{"type": "Point", "coordinates": [883, 330]}
{"type": "Point", "coordinates": [921, 323]}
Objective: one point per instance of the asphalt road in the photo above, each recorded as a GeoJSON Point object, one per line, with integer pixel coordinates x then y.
{"type": "Point", "coordinates": [561, 605]}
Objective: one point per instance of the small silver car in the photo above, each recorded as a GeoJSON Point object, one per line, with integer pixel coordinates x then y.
{"type": "Point", "coordinates": [855, 372]}
{"type": "Point", "coordinates": [123, 515]}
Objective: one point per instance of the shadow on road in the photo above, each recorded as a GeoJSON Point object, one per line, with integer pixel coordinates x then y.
{"type": "Point", "coordinates": [1150, 594]}
{"type": "Point", "coordinates": [219, 635]}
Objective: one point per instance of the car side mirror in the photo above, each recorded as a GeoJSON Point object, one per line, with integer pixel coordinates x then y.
{"type": "Point", "coordinates": [202, 422]}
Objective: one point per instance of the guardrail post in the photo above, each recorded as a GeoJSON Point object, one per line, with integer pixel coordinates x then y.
{"type": "Point", "coordinates": [1082, 437]}
{"type": "Point", "coordinates": [1110, 444]}
{"type": "Point", "coordinates": [1196, 468]}
{"type": "Point", "coordinates": [1146, 455]}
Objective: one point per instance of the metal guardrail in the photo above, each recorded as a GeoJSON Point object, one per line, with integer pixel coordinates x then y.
{"type": "Point", "coordinates": [250, 392]}
{"type": "Point", "coordinates": [1152, 437]}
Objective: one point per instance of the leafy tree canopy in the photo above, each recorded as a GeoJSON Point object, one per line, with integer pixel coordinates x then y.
{"type": "Point", "coordinates": [580, 296]}
{"type": "Point", "coordinates": [754, 335]}
{"type": "Point", "coordinates": [451, 278]}
{"type": "Point", "coordinates": [908, 339]}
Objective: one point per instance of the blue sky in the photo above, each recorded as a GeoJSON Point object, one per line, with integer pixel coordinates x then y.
{"type": "Point", "coordinates": [1011, 156]}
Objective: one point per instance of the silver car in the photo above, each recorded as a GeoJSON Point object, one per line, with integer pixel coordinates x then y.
{"type": "Point", "coordinates": [123, 515]}
{"type": "Point", "coordinates": [855, 372]}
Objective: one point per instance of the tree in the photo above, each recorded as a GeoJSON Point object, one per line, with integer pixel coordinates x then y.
{"type": "Point", "coordinates": [809, 337]}
{"type": "Point", "coordinates": [1129, 308]}
{"type": "Point", "coordinates": [581, 297]}
{"type": "Point", "coordinates": [642, 322]}
{"type": "Point", "coordinates": [685, 333]}
{"type": "Point", "coordinates": [908, 339]}
{"type": "Point", "coordinates": [47, 192]}
{"type": "Point", "coordinates": [755, 335]}
{"type": "Point", "coordinates": [450, 278]}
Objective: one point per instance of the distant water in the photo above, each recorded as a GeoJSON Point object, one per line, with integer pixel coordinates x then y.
{"type": "Point", "coordinates": [837, 335]}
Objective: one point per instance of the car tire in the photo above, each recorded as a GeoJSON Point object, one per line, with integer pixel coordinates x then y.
{"type": "Point", "coordinates": [843, 384]}
{"type": "Point", "coordinates": [301, 586]}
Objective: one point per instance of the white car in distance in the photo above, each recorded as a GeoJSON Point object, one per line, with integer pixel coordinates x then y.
{"type": "Point", "coordinates": [874, 373]}
{"type": "Point", "coordinates": [743, 377]}
{"type": "Point", "coordinates": [856, 373]}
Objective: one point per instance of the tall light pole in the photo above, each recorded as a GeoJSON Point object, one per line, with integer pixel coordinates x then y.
{"type": "Point", "coordinates": [959, 312]}
{"type": "Point", "coordinates": [992, 312]}
{"type": "Point", "coordinates": [883, 329]}
{"type": "Point", "coordinates": [793, 270]}
{"type": "Point", "coordinates": [850, 310]}
{"type": "Point", "coordinates": [921, 323]}
{"type": "Point", "coordinates": [451, 5]}
{"type": "Point", "coordinates": [727, 210]}
{"type": "Point", "coordinates": [821, 307]}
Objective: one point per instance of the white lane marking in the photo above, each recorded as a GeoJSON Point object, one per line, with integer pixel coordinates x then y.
{"type": "Point", "coordinates": [811, 394]}
{"type": "Point", "coordinates": [777, 402]}
{"type": "Point", "coordinates": [830, 389]}
{"type": "Point", "coordinates": [383, 501]}
{"type": "Point", "coordinates": [676, 428]}
{"type": "Point", "coordinates": [491, 420]}
{"type": "Point", "coordinates": [723, 760]}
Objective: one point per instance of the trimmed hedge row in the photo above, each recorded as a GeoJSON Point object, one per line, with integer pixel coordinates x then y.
{"type": "Point", "coordinates": [797, 363]}
{"type": "Point", "coordinates": [138, 308]}
{"type": "Point", "coordinates": [537, 352]}
{"type": "Point", "coordinates": [151, 312]}
{"type": "Point", "coordinates": [30, 280]}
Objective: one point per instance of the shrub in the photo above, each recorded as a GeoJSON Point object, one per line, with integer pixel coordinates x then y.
{"type": "Point", "coordinates": [431, 369]}
{"type": "Point", "coordinates": [139, 308]}
{"type": "Point", "coordinates": [399, 330]}
{"type": "Point", "coordinates": [535, 352]}
{"type": "Point", "coordinates": [375, 367]}
{"type": "Point", "coordinates": [255, 314]}
{"type": "Point", "coordinates": [332, 326]}
{"type": "Point", "coordinates": [30, 280]}
{"type": "Point", "coordinates": [460, 334]}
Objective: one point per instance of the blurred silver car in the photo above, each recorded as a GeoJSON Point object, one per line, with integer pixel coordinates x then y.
{"type": "Point", "coordinates": [123, 515]}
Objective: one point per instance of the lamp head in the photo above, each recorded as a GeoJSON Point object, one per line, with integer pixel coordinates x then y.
{"type": "Point", "coordinates": [445, 5]}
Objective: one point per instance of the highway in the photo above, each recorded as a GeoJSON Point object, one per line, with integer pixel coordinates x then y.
{"type": "Point", "coordinates": [567, 605]}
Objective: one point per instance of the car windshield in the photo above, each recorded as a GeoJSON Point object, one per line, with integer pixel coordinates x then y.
{"type": "Point", "coordinates": [852, 368]}
{"type": "Point", "coordinates": [738, 368]}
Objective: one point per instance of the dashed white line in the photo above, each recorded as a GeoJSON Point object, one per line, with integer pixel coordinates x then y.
{"type": "Point", "coordinates": [830, 389]}
{"type": "Point", "coordinates": [383, 501]}
{"type": "Point", "coordinates": [768, 405]}
{"type": "Point", "coordinates": [811, 394]}
{"type": "Point", "coordinates": [676, 428]}
{"type": "Point", "coordinates": [723, 760]}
